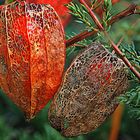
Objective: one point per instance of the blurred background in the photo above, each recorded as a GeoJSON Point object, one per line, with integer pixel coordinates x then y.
{"type": "Point", "coordinates": [13, 125]}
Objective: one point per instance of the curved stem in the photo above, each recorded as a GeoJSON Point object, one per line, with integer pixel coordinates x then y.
{"type": "Point", "coordinates": [127, 12]}
{"type": "Point", "coordinates": [114, 46]}
{"type": "Point", "coordinates": [122, 56]}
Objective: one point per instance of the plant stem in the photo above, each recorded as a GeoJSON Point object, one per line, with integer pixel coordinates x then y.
{"type": "Point", "coordinates": [92, 14]}
{"type": "Point", "coordinates": [122, 56]}
{"type": "Point", "coordinates": [80, 37]}
{"type": "Point", "coordinates": [127, 12]}
{"type": "Point", "coordinates": [115, 47]}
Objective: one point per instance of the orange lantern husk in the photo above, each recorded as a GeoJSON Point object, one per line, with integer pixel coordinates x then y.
{"type": "Point", "coordinates": [32, 54]}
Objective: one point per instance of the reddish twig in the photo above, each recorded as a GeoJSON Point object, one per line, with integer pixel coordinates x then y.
{"type": "Point", "coordinates": [80, 37]}
{"type": "Point", "coordinates": [120, 41]}
{"type": "Point", "coordinates": [122, 56]}
{"type": "Point", "coordinates": [115, 47]}
{"type": "Point", "coordinates": [118, 44]}
{"type": "Point", "coordinates": [127, 12]}
{"type": "Point", "coordinates": [94, 17]}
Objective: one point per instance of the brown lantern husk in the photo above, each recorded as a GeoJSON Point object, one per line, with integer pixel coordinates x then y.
{"type": "Point", "coordinates": [88, 94]}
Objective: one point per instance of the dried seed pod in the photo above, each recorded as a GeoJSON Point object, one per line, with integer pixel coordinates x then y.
{"type": "Point", "coordinates": [87, 96]}
{"type": "Point", "coordinates": [32, 54]}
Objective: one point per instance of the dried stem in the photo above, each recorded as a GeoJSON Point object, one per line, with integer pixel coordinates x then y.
{"type": "Point", "coordinates": [127, 12]}
{"type": "Point", "coordinates": [115, 47]}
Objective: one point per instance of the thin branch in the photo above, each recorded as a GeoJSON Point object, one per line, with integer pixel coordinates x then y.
{"type": "Point", "coordinates": [127, 12]}
{"type": "Point", "coordinates": [115, 47]}
{"type": "Point", "coordinates": [118, 44]}
{"type": "Point", "coordinates": [120, 41]}
{"type": "Point", "coordinates": [122, 56]}
{"type": "Point", "coordinates": [94, 17]}
{"type": "Point", "coordinates": [97, 6]}
{"type": "Point", "coordinates": [80, 37]}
